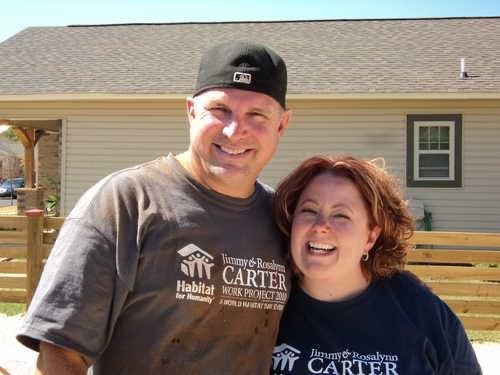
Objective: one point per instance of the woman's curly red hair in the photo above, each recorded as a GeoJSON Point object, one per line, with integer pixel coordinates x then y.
{"type": "Point", "coordinates": [382, 197]}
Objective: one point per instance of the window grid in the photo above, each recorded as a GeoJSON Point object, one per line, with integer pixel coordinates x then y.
{"type": "Point", "coordinates": [425, 129]}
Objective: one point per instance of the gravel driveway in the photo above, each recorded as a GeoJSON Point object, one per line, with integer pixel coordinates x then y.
{"type": "Point", "coordinates": [15, 359]}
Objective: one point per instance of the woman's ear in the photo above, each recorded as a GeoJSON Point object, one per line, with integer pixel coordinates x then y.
{"type": "Point", "coordinates": [372, 237]}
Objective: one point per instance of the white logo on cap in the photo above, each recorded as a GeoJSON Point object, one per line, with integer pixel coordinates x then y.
{"type": "Point", "coordinates": [242, 77]}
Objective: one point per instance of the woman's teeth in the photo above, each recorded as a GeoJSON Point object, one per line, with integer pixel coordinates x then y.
{"type": "Point", "coordinates": [321, 247]}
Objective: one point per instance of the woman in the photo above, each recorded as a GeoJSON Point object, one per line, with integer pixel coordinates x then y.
{"type": "Point", "coordinates": [353, 310]}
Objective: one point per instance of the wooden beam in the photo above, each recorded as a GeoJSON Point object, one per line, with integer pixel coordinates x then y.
{"type": "Point", "coordinates": [52, 125]}
{"type": "Point", "coordinates": [13, 267]}
{"type": "Point", "coordinates": [436, 272]}
{"type": "Point", "coordinates": [453, 256]}
{"type": "Point", "coordinates": [14, 296]}
{"type": "Point", "coordinates": [29, 163]}
{"type": "Point", "coordinates": [27, 138]}
{"type": "Point", "coordinates": [38, 135]}
{"type": "Point", "coordinates": [456, 238]}
{"type": "Point", "coordinates": [473, 306]}
{"type": "Point", "coordinates": [12, 252]}
{"type": "Point", "coordinates": [480, 323]}
{"type": "Point", "coordinates": [464, 289]}
{"type": "Point", "coordinates": [13, 282]}
{"type": "Point", "coordinates": [23, 136]}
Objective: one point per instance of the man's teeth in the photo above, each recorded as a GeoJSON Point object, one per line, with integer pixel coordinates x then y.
{"type": "Point", "coordinates": [321, 246]}
{"type": "Point", "coordinates": [233, 151]}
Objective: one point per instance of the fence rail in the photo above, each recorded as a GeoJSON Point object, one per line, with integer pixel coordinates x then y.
{"type": "Point", "coordinates": [25, 242]}
{"type": "Point", "coordinates": [462, 268]}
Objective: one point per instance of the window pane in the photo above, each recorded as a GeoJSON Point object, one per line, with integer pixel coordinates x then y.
{"type": "Point", "coordinates": [434, 146]}
{"type": "Point", "coordinates": [444, 146]}
{"type": "Point", "coordinates": [444, 134]}
{"type": "Point", "coordinates": [434, 165]}
{"type": "Point", "coordinates": [434, 134]}
{"type": "Point", "coordinates": [423, 133]}
{"type": "Point", "coordinates": [423, 138]}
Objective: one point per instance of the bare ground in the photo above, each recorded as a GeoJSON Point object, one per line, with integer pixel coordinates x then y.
{"type": "Point", "coordinates": [15, 359]}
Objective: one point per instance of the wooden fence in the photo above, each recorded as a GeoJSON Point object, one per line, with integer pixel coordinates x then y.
{"type": "Point", "coordinates": [25, 242]}
{"type": "Point", "coordinates": [462, 268]}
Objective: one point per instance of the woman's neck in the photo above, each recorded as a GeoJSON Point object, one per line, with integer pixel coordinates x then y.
{"type": "Point", "coordinates": [334, 292]}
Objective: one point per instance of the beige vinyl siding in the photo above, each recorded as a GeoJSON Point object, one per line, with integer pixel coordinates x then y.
{"type": "Point", "coordinates": [100, 137]}
{"type": "Point", "coordinates": [378, 129]}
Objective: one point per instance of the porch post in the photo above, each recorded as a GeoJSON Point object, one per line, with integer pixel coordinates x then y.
{"type": "Point", "coordinates": [34, 260]}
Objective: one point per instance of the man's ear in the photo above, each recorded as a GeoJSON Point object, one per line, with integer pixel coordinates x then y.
{"type": "Point", "coordinates": [190, 109]}
{"type": "Point", "coordinates": [284, 121]}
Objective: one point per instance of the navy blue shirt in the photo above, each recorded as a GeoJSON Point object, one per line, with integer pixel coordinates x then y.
{"type": "Point", "coordinates": [396, 326]}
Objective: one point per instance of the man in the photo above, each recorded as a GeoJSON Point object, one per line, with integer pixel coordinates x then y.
{"type": "Point", "coordinates": [175, 266]}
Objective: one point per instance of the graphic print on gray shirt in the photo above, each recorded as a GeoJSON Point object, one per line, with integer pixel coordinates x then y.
{"type": "Point", "coordinates": [153, 273]}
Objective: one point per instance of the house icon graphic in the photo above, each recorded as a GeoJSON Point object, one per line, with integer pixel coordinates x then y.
{"type": "Point", "coordinates": [284, 357]}
{"type": "Point", "coordinates": [196, 262]}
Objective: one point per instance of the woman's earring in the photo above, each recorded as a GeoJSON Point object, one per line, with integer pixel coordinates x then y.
{"type": "Point", "coordinates": [365, 256]}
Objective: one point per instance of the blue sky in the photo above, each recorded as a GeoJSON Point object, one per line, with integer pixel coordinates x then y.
{"type": "Point", "coordinates": [17, 15]}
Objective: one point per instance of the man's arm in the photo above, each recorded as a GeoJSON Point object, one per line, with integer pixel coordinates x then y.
{"type": "Point", "coordinates": [56, 360]}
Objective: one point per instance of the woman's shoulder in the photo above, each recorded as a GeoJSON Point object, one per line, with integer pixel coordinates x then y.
{"type": "Point", "coordinates": [408, 288]}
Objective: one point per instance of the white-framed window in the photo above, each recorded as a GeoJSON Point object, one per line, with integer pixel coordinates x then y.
{"type": "Point", "coordinates": [434, 150]}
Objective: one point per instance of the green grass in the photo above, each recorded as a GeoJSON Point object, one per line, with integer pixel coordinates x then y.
{"type": "Point", "coordinates": [484, 336]}
{"type": "Point", "coordinates": [10, 309]}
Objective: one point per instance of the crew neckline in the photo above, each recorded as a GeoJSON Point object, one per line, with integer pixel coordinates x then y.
{"type": "Point", "coordinates": [211, 195]}
{"type": "Point", "coordinates": [336, 306]}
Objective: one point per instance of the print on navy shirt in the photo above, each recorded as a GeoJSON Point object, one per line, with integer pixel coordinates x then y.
{"type": "Point", "coordinates": [284, 357]}
{"type": "Point", "coordinates": [345, 362]}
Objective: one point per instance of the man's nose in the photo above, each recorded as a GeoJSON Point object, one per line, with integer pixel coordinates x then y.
{"type": "Point", "coordinates": [234, 128]}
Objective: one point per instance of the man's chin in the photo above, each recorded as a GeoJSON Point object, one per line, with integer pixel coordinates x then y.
{"type": "Point", "coordinates": [232, 176]}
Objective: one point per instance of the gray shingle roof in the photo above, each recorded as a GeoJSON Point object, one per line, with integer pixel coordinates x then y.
{"type": "Point", "coordinates": [323, 57]}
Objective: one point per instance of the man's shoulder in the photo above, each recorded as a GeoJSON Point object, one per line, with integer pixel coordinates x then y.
{"type": "Point", "coordinates": [139, 171]}
{"type": "Point", "coordinates": [265, 188]}
{"type": "Point", "coordinates": [125, 183]}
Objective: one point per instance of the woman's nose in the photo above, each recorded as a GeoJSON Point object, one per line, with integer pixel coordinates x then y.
{"type": "Point", "coordinates": [321, 223]}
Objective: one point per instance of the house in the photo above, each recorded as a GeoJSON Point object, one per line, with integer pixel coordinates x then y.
{"type": "Point", "coordinates": [10, 159]}
{"type": "Point", "coordinates": [424, 94]}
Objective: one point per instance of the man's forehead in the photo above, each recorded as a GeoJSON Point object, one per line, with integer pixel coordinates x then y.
{"type": "Point", "coordinates": [229, 95]}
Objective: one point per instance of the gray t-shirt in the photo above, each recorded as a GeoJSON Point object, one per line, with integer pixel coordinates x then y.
{"type": "Point", "coordinates": [154, 274]}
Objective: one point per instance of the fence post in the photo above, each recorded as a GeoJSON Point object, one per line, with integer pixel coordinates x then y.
{"type": "Point", "coordinates": [34, 261]}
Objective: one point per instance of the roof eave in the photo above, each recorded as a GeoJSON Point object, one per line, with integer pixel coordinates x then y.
{"type": "Point", "coordinates": [291, 96]}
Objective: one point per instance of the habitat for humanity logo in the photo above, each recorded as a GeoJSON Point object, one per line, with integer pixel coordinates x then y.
{"type": "Point", "coordinates": [196, 263]}
{"type": "Point", "coordinates": [284, 357]}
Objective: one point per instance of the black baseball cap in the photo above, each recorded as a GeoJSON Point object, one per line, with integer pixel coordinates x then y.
{"type": "Point", "coordinates": [244, 66]}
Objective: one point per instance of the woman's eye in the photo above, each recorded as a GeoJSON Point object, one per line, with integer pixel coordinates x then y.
{"type": "Point", "coordinates": [341, 216]}
{"type": "Point", "coordinates": [308, 210]}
